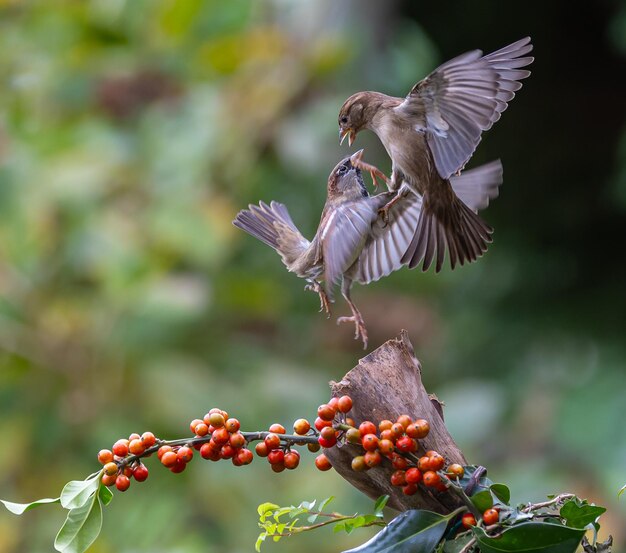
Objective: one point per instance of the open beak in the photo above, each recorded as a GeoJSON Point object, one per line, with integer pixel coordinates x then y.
{"type": "Point", "coordinates": [355, 158]}
{"type": "Point", "coordinates": [349, 133]}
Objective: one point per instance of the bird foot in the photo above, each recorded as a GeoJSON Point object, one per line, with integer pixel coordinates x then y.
{"type": "Point", "coordinates": [375, 173]}
{"type": "Point", "coordinates": [359, 326]}
{"type": "Point", "coordinates": [324, 301]}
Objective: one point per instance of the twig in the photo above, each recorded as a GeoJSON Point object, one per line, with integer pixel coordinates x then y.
{"type": "Point", "coordinates": [558, 499]}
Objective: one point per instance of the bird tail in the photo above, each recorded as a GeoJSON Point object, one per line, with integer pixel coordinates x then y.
{"type": "Point", "coordinates": [273, 225]}
{"type": "Point", "coordinates": [450, 225]}
{"type": "Point", "coordinates": [476, 187]}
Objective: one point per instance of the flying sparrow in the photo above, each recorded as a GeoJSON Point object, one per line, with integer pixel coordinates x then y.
{"type": "Point", "coordinates": [353, 242]}
{"type": "Point", "coordinates": [431, 134]}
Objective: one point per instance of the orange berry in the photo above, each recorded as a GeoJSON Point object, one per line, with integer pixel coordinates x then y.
{"type": "Point", "coordinates": [220, 436]}
{"type": "Point", "coordinates": [301, 427]}
{"type": "Point", "coordinates": [140, 473]}
{"type": "Point", "coordinates": [385, 425]}
{"type": "Point", "coordinates": [386, 446]}
{"type": "Point", "coordinates": [370, 442]}
{"type": "Point", "coordinates": [398, 478]}
{"type": "Point", "coordinates": [278, 428]}
{"type": "Point", "coordinates": [388, 435]}
{"type": "Point", "coordinates": [321, 423]}
{"type": "Point", "coordinates": [163, 449]}
{"type": "Point", "coordinates": [216, 420]}
{"type": "Point", "coordinates": [404, 420]}
{"type": "Point", "coordinates": [409, 489]}
{"type": "Point", "coordinates": [261, 449]}
{"type": "Point", "coordinates": [367, 427]}
{"type": "Point", "coordinates": [413, 476]}
{"type": "Point", "coordinates": [398, 461]}
{"type": "Point", "coordinates": [110, 468]}
{"type": "Point", "coordinates": [436, 462]}
{"type": "Point", "coordinates": [491, 516]}
{"type": "Point", "coordinates": [232, 425]}
{"type": "Point", "coordinates": [322, 462]}
{"type": "Point", "coordinates": [202, 429]}
{"type": "Point", "coordinates": [244, 456]}
{"type": "Point", "coordinates": [185, 454]}
{"type": "Point", "coordinates": [423, 428]}
{"type": "Point", "coordinates": [344, 404]}
{"type": "Point", "coordinates": [237, 440]}
{"type": "Point", "coordinates": [406, 444]}
{"type": "Point", "coordinates": [468, 520]}
{"type": "Point", "coordinates": [169, 458]}
{"type": "Point", "coordinates": [109, 479]}
{"type": "Point", "coordinates": [372, 458]}
{"type": "Point", "coordinates": [134, 436]}
{"type": "Point", "coordinates": [105, 456]}
{"type": "Point", "coordinates": [136, 446]}
{"type": "Point", "coordinates": [358, 464]}
{"type": "Point", "coordinates": [292, 459]}
{"type": "Point", "coordinates": [353, 436]}
{"type": "Point", "coordinates": [194, 423]}
{"type": "Point", "coordinates": [397, 429]}
{"type": "Point", "coordinates": [120, 448]}
{"type": "Point", "coordinates": [424, 463]}
{"type": "Point", "coordinates": [334, 402]}
{"type": "Point", "coordinates": [276, 457]}
{"type": "Point", "coordinates": [207, 451]}
{"type": "Point", "coordinates": [148, 439]}
{"type": "Point", "coordinates": [431, 478]}
{"type": "Point", "coordinates": [326, 412]}
{"type": "Point", "coordinates": [178, 466]}
{"type": "Point", "coordinates": [455, 471]}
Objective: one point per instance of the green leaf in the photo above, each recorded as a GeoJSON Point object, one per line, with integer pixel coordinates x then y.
{"type": "Point", "coordinates": [339, 527]}
{"type": "Point", "coordinates": [482, 500]}
{"type": "Point", "coordinates": [324, 503]}
{"type": "Point", "coordinates": [414, 531]}
{"type": "Point", "coordinates": [81, 528]}
{"type": "Point", "coordinates": [20, 508]}
{"type": "Point", "coordinates": [78, 492]}
{"type": "Point", "coordinates": [456, 545]}
{"type": "Point", "coordinates": [105, 495]}
{"type": "Point", "coordinates": [259, 541]}
{"type": "Point", "coordinates": [380, 504]}
{"type": "Point", "coordinates": [531, 537]}
{"type": "Point", "coordinates": [502, 492]}
{"type": "Point", "coordinates": [621, 490]}
{"type": "Point", "coordinates": [579, 516]}
{"type": "Point", "coordinates": [263, 508]}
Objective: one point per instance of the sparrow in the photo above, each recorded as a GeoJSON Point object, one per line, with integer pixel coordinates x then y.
{"type": "Point", "coordinates": [431, 134]}
{"type": "Point", "coordinates": [354, 242]}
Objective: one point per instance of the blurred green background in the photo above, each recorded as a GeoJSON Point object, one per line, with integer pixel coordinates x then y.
{"type": "Point", "coordinates": [131, 132]}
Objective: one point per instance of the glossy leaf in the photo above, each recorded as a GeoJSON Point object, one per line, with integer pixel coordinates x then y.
{"type": "Point", "coordinates": [105, 495]}
{"type": "Point", "coordinates": [579, 516]}
{"type": "Point", "coordinates": [531, 537]}
{"type": "Point", "coordinates": [77, 492]}
{"type": "Point", "coordinates": [20, 508]}
{"type": "Point", "coordinates": [414, 531]}
{"type": "Point", "coordinates": [380, 504]}
{"type": "Point", "coordinates": [502, 492]}
{"type": "Point", "coordinates": [81, 528]}
{"type": "Point", "coordinates": [482, 500]}
{"type": "Point", "coordinates": [454, 546]}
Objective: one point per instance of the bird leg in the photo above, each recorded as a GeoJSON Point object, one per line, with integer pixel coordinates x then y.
{"type": "Point", "coordinates": [356, 318]}
{"type": "Point", "coordinates": [401, 193]}
{"type": "Point", "coordinates": [374, 171]}
{"type": "Point", "coordinates": [314, 286]}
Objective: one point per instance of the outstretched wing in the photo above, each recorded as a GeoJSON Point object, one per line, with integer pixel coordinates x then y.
{"type": "Point", "coordinates": [342, 234]}
{"type": "Point", "coordinates": [386, 244]}
{"type": "Point", "coordinates": [464, 97]}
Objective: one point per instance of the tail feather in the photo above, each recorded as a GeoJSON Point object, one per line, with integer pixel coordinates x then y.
{"type": "Point", "coordinates": [273, 225]}
{"type": "Point", "coordinates": [459, 230]}
{"type": "Point", "coordinates": [476, 187]}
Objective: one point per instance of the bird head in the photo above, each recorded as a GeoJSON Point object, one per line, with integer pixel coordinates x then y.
{"type": "Point", "coordinates": [345, 180]}
{"type": "Point", "coordinates": [352, 117]}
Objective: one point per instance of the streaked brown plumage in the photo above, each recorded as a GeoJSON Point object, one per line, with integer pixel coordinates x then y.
{"type": "Point", "coordinates": [432, 133]}
{"type": "Point", "coordinates": [352, 242]}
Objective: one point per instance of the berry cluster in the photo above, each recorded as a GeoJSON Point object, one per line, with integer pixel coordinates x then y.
{"type": "Point", "coordinates": [490, 516]}
{"type": "Point", "coordinates": [398, 442]}
{"type": "Point", "coordinates": [116, 470]}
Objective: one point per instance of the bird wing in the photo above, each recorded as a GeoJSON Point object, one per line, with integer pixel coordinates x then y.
{"type": "Point", "coordinates": [342, 234]}
{"type": "Point", "coordinates": [476, 187]}
{"type": "Point", "coordinates": [464, 97]}
{"type": "Point", "coordinates": [386, 244]}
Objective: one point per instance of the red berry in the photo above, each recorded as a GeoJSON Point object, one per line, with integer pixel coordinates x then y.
{"type": "Point", "coordinates": [122, 483]}
{"type": "Point", "coordinates": [120, 448]}
{"type": "Point", "coordinates": [244, 456]}
{"type": "Point", "coordinates": [344, 404]}
{"type": "Point", "coordinates": [412, 431]}
{"type": "Point", "coordinates": [322, 462]}
{"type": "Point", "coordinates": [227, 451]}
{"type": "Point", "coordinates": [350, 422]}
{"type": "Point", "coordinates": [369, 442]}
{"type": "Point", "coordinates": [169, 458]}
{"type": "Point", "coordinates": [397, 429]}
{"type": "Point", "coordinates": [209, 452]}
{"type": "Point", "coordinates": [398, 462]}
{"type": "Point", "coordinates": [109, 479]}
{"type": "Point", "coordinates": [148, 439]}
{"type": "Point", "coordinates": [272, 441]}
{"type": "Point", "coordinates": [385, 425]}
{"type": "Point", "coordinates": [334, 402]}
{"type": "Point", "coordinates": [276, 457]}
{"type": "Point", "coordinates": [110, 468]}
{"type": "Point", "coordinates": [202, 429]}
{"type": "Point", "coordinates": [436, 462]}
{"type": "Point", "coordinates": [313, 448]}
{"type": "Point", "coordinates": [163, 449]}
{"type": "Point", "coordinates": [413, 476]}
{"type": "Point", "coordinates": [404, 420]}
{"type": "Point", "coordinates": [279, 467]}
{"type": "Point", "coordinates": [358, 464]}
{"type": "Point", "coordinates": [424, 463]}
{"type": "Point", "coordinates": [134, 436]}
{"type": "Point", "coordinates": [105, 456]}
{"type": "Point", "coordinates": [261, 449]}
{"type": "Point", "coordinates": [328, 433]}
{"type": "Point", "coordinates": [431, 479]}
{"type": "Point", "coordinates": [178, 466]}
{"type": "Point", "coordinates": [193, 424]}
{"type": "Point", "coordinates": [326, 412]}
{"type": "Point", "coordinates": [372, 458]}
{"type": "Point", "coordinates": [140, 473]}
{"type": "Point", "coordinates": [327, 443]}
{"type": "Point", "coordinates": [431, 453]}
{"type": "Point", "coordinates": [278, 428]}
{"type": "Point", "coordinates": [386, 447]}
{"type": "Point", "coordinates": [292, 459]}
{"type": "Point", "coordinates": [468, 520]}
{"type": "Point", "coordinates": [398, 478]}
{"type": "Point", "coordinates": [409, 489]}
{"type": "Point", "coordinates": [301, 427]}
{"type": "Point", "coordinates": [367, 427]}
{"type": "Point", "coordinates": [455, 471]}
{"type": "Point", "coordinates": [490, 516]}
{"type": "Point", "coordinates": [388, 435]}
{"type": "Point", "coordinates": [185, 454]}
{"type": "Point", "coordinates": [237, 440]}
{"type": "Point", "coordinates": [136, 446]}
{"type": "Point", "coordinates": [232, 425]}
{"type": "Point", "coordinates": [321, 423]}
{"type": "Point", "coordinates": [423, 428]}
{"type": "Point", "coordinates": [406, 444]}
{"type": "Point", "coordinates": [220, 436]}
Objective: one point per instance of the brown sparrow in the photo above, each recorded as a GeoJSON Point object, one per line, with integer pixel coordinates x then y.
{"type": "Point", "coordinates": [431, 134]}
{"type": "Point", "coordinates": [353, 243]}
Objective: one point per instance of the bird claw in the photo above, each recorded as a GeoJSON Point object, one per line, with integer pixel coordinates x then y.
{"type": "Point", "coordinates": [375, 172]}
{"type": "Point", "coordinates": [359, 326]}
{"type": "Point", "coordinates": [324, 301]}
{"type": "Point", "coordinates": [384, 214]}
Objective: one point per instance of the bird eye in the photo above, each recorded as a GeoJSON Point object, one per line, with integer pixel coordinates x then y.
{"type": "Point", "coordinates": [342, 170]}
{"type": "Point", "coordinates": [344, 119]}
